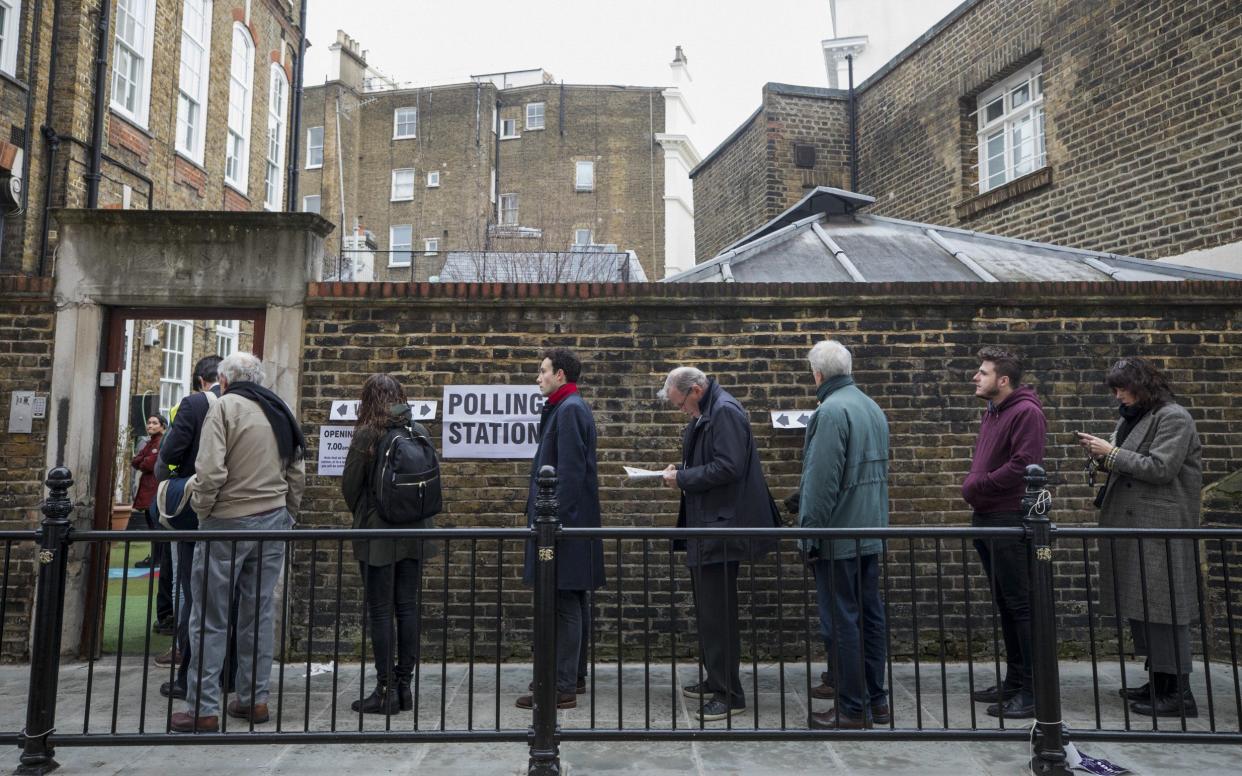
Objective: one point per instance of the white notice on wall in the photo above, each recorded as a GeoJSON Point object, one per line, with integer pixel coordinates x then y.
{"type": "Point", "coordinates": [333, 445]}
{"type": "Point", "coordinates": [791, 418]}
{"type": "Point", "coordinates": [420, 409]}
{"type": "Point", "coordinates": [491, 421]}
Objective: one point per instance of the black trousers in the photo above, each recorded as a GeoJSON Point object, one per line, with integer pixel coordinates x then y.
{"type": "Point", "coordinates": [393, 590]}
{"type": "Point", "coordinates": [1007, 565]}
{"type": "Point", "coordinates": [720, 640]}
{"type": "Point", "coordinates": [573, 638]}
{"type": "Point", "coordinates": [161, 558]}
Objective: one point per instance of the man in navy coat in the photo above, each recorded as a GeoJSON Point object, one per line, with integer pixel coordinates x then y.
{"type": "Point", "coordinates": [567, 443]}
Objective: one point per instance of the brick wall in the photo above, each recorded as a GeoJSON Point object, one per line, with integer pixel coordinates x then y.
{"type": "Point", "coordinates": [913, 346]}
{"type": "Point", "coordinates": [26, 315]}
{"type": "Point", "coordinates": [729, 190]}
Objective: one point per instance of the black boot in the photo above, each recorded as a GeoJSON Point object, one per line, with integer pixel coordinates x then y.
{"type": "Point", "coordinates": [404, 696]}
{"type": "Point", "coordinates": [1173, 698]}
{"type": "Point", "coordinates": [382, 700]}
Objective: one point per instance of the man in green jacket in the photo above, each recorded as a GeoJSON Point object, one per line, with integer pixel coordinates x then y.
{"type": "Point", "coordinates": [845, 485]}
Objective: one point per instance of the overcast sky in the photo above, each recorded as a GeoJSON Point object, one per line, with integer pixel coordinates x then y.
{"type": "Point", "coordinates": [733, 46]}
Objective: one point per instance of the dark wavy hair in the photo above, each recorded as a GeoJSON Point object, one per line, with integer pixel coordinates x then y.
{"type": "Point", "coordinates": [379, 392]}
{"type": "Point", "coordinates": [1141, 378]}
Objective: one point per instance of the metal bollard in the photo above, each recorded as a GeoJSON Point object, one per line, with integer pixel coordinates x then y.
{"type": "Point", "coordinates": [37, 753]}
{"type": "Point", "coordinates": [545, 756]}
{"type": "Point", "coordinates": [1049, 744]}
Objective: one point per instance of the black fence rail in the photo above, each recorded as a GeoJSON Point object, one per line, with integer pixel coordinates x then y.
{"type": "Point", "coordinates": [485, 638]}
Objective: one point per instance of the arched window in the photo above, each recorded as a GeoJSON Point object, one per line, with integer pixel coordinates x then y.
{"type": "Point", "coordinates": [195, 67]}
{"type": "Point", "coordinates": [277, 104]}
{"type": "Point", "coordinates": [241, 76]}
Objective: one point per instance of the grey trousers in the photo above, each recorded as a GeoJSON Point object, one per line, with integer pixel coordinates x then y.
{"type": "Point", "coordinates": [256, 569]}
{"type": "Point", "coordinates": [1169, 650]}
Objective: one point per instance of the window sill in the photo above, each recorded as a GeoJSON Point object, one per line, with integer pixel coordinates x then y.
{"type": "Point", "coordinates": [11, 78]}
{"type": "Point", "coordinates": [405, 137]}
{"type": "Point", "coordinates": [228, 184]}
{"type": "Point", "coordinates": [314, 166]}
{"type": "Point", "coordinates": [510, 137]}
{"type": "Point", "coordinates": [534, 129]}
{"type": "Point", "coordinates": [1018, 187]}
{"type": "Point", "coordinates": [190, 160]}
{"type": "Point", "coordinates": [401, 199]}
{"type": "Point", "coordinates": [130, 120]}
{"type": "Point", "coordinates": [398, 266]}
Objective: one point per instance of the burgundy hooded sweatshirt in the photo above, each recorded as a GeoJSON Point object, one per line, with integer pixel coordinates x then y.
{"type": "Point", "coordinates": [1010, 438]}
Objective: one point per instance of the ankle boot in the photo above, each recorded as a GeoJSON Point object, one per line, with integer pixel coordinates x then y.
{"type": "Point", "coordinates": [404, 696]}
{"type": "Point", "coordinates": [382, 700]}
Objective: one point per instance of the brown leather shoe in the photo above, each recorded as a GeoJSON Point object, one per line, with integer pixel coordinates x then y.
{"type": "Point", "coordinates": [257, 713]}
{"type": "Point", "coordinates": [828, 720]}
{"type": "Point", "coordinates": [168, 658]}
{"type": "Point", "coordinates": [823, 691]}
{"type": "Point", "coordinates": [564, 700]}
{"type": "Point", "coordinates": [580, 689]}
{"type": "Point", "coordinates": [183, 722]}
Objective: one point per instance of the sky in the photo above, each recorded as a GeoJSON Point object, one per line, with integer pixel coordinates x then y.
{"type": "Point", "coordinates": [733, 46]}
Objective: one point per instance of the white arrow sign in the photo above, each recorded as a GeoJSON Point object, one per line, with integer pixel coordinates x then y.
{"type": "Point", "coordinates": [791, 418]}
{"type": "Point", "coordinates": [420, 410]}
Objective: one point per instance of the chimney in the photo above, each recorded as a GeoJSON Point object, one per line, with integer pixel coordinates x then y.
{"type": "Point", "coordinates": [347, 62]}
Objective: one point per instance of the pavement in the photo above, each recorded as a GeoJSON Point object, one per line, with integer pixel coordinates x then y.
{"type": "Point", "coordinates": [469, 699]}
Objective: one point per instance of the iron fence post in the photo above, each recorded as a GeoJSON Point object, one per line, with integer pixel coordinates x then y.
{"type": "Point", "coordinates": [37, 753]}
{"type": "Point", "coordinates": [1049, 744]}
{"type": "Point", "coordinates": [545, 758]}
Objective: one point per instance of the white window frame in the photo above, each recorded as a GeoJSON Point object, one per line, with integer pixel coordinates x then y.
{"type": "Point", "coordinates": [133, 42]}
{"type": "Point", "coordinates": [431, 246]}
{"type": "Point", "coordinates": [508, 129]}
{"type": "Point", "coordinates": [306, 202]}
{"type": "Point", "coordinates": [1003, 158]}
{"type": "Point", "coordinates": [394, 194]}
{"type": "Point", "coordinates": [175, 364]}
{"type": "Point", "coordinates": [539, 123]}
{"type": "Point", "coordinates": [241, 95]}
{"type": "Point", "coordinates": [433, 179]}
{"type": "Point", "coordinates": [397, 124]}
{"type": "Point", "coordinates": [192, 94]}
{"type": "Point", "coordinates": [507, 210]}
{"type": "Point", "coordinates": [227, 335]}
{"type": "Point", "coordinates": [277, 108]}
{"type": "Point", "coordinates": [314, 161]}
{"type": "Point", "coordinates": [394, 247]}
{"type": "Point", "coordinates": [590, 237]}
{"type": "Point", "coordinates": [10, 34]}
{"type": "Point", "coordinates": [587, 182]}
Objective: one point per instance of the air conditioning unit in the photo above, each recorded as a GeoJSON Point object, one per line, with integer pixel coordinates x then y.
{"type": "Point", "coordinates": [151, 336]}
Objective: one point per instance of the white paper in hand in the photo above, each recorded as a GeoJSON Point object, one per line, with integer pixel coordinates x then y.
{"type": "Point", "coordinates": [635, 474]}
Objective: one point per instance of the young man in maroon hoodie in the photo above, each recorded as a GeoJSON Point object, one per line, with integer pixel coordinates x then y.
{"type": "Point", "coordinates": [1011, 437]}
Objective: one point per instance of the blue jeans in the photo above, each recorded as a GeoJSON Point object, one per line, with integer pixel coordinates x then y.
{"type": "Point", "coordinates": [858, 651]}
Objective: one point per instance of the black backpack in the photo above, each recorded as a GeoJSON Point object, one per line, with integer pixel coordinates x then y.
{"type": "Point", "coordinates": [406, 478]}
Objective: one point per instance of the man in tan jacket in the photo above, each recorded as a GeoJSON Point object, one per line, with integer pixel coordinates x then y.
{"type": "Point", "coordinates": [249, 476]}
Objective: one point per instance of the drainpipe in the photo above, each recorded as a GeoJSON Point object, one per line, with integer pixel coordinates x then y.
{"type": "Point", "coordinates": [50, 137]}
{"type": "Point", "coordinates": [296, 129]}
{"type": "Point", "coordinates": [101, 93]}
{"type": "Point", "coordinates": [30, 94]}
{"type": "Point", "coordinates": [849, 60]}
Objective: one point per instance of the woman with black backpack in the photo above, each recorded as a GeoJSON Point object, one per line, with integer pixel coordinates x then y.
{"type": "Point", "coordinates": [390, 568]}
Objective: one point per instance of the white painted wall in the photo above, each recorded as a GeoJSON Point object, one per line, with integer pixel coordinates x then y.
{"type": "Point", "coordinates": [680, 156]}
{"type": "Point", "coordinates": [889, 26]}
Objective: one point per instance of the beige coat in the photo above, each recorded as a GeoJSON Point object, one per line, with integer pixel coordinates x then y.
{"type": "Point", "coordinates": [1155, 483]}
{"type": "Point", "coordinates": [238, 470]}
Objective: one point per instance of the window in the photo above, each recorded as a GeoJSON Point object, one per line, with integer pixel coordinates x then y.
{"type": "Point", "coordinates": [175, 371]}
{"type": "Point", "coordinates": [241, 75]}
{"type": "Point", "coordinates": [584, 176]}
{"type": "Point", "coordinates": [226, 337]}
{"type": "Point", "coordinates": [10, 27]}
{"type": "Point", "coordinates": [192, 99]}
{"type": "Point", "coordinates": [433, 179]}
{"type": "Point", "coordinates": [402, 184]}
{"type": "Point", "coordinates": [508, 209]}
{"type": "Point", "coordinates": [310, 204]}
{"type": "Point", "coordinates": [508, 129]}
{"type": "Point", "coordinates": [534, 115]}
{"type": "Point", "coordinates": [431, 246]}
{"type": "Point", "coordinates": [404, 123]}
{"type": "Point", "coordinates": [582, 237]}
{"type": "Point", "coordinates": [131, 59]}
{"type": "Point", "coordinates": [1011, 128]}
{"type": "Point", "coordinates": [314, 148]}
{"type": "Point", "coordinates": [400, 240]}
{"type": "Point", "coordinates": [273, 179]}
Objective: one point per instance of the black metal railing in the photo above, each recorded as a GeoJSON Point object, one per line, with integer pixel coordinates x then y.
{"type": "Point", "coordinates": [483, 635]}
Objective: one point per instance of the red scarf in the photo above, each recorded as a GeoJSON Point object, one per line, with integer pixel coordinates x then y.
{"type": "Point", "coordinates": [561, 393]}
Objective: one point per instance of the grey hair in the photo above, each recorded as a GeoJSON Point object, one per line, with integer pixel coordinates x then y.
{"type": "Point", "coordinates": [242, 367]}
{"type": "Point", "coordinates": [683, 378]}
{"type": "Point", "coordinates": [830, 358]}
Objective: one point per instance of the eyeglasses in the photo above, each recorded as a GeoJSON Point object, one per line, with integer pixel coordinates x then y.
{"type": "Point", "coordinates": [681, 405]}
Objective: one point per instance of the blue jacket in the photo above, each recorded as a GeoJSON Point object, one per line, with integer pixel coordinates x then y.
{"type": "Point", "coordinates": [567, 443]}
{"type": "Point", "coordinates": [844, 469]}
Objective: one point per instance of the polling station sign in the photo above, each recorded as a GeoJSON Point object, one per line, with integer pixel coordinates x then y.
{"type": "Point", "coordinates": [491, 421]}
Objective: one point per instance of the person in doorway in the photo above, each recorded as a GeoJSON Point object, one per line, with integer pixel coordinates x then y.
{"type": "Point", "coordinates": [1154, 480]}
{"type": "Point", "coordinates": [722, 486]}
{"type": "Point", "coordinates": [249, 476]}
{"type": "Point", "coordinates": [1011, 437]}
{"type": "Point", "coordinates": [567, 443]}
{"type": "Point", "coordinates": [160, 557]}
{"type": "Point", "coordinates": [391, 568]}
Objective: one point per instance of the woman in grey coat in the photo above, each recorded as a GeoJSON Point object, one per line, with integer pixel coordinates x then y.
{"type": "Point", "coordinates": [1154, 480]}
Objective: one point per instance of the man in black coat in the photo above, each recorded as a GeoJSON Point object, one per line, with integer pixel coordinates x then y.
{"type": "Point", "coordinates": [722, 486]}
{"type": "Point", "coordinates": [567, 443]}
